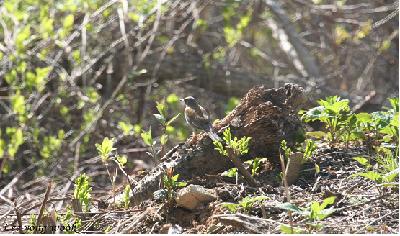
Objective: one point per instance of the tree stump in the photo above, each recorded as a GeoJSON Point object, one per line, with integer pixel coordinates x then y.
{"type": "Point", "coordinates": [266, 115]}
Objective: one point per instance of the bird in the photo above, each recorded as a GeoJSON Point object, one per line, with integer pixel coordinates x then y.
{"type": "Point", "coordinates": [198, 118]}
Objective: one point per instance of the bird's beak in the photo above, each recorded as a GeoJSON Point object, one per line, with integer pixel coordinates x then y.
{"type": "Point", "coordinates": [181, 99]}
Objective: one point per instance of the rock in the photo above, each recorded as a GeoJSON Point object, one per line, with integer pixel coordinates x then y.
{"type": "Point", "coordinates": [193, 196]}
{"type": "Point", "coordinates": [175, 229]}
{"type": "Point", "coordinates": [160, 195]}
{"type": "Point", "coordinates": [171, 229]}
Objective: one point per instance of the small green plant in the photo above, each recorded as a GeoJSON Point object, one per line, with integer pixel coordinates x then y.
{"type": "Point", "coordinates": [287, 151]}
{"type": "Point", "coordinates": [148, 140]}
{"type": "Point", "coordinates": [320, 211]}
{"type": "Point", "coordinates": [105, 148]}
{"type": "Point", "coordinates": [255, 164]}
{"type": "Point", "coordinates": [126, 196]}
{"type": "Point", "coordinates": [162, 115]}
{"type": "Point", "coordinates": [82, 191]}
{"type": "Point", "coordinates": [121, 160]}
{"type": "Point", "coordinates": [381, 125]}
{"type": "Point", "coordinates": [333, 112]}
{"type": "Point", "coordinates": [232, 172]}
{"type": "Point", "coordinates": [314, 213]}
{"type": "Point", "coordinates": [310, 148]}
{"type": "Point", "coordinates": [165, 123]}
{"type": "Point", "coordinates": [71, 224]}
{"type": "Point", "coordinates": [246, 204]}
{"type": "Point", "coordinates": [232, 145]}
{"type": "Point", "coordinates": [126, 128]}
{"type": "Point", "coordinates": [286, 229]}
{"type": "Point", "coordinates": [170, 182]}
{"type": "Point", "coordinates": [385, 172]}
{"type": "Point", "coordinates": [233, 148]}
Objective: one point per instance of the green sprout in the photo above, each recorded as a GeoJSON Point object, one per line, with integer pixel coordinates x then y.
{"type": "Point", "coordinates": [246, 204]}
{"type": "Point", "coordinates": [235, 145]}
{"type": "Point", "coordinates": [170, 182]}
{"type": "Point", "coordinates": [105, 148]}
{"type": "Point", "coordinates": [82, 190]}
{"type": "Point", "coordinates": [232, 149]}
{"type": "Point", "coordinates": [126, 196]}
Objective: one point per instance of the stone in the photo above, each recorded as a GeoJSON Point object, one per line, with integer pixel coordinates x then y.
{"type": "Point", "coordinates": [194, 196]}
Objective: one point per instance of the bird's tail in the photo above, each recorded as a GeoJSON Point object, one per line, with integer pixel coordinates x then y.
{"type": "Point", "coordinates": [214, 136]}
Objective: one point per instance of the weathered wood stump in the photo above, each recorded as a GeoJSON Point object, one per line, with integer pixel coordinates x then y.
{"type": "Point", "coordinates": [266, 115]}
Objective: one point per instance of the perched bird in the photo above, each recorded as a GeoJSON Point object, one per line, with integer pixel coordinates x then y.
{"type": "Point", "coordinates": [198, 118]}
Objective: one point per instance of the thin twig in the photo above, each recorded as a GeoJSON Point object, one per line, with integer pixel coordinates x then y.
{"type": "Point", "coordinates": [287, 192]}
{"type": "Point", "coordinates": [19, 218]}
{"type": "Point", "coordinates": [239, 165]}
{"type": "Point", "coordinates": [42, 207]}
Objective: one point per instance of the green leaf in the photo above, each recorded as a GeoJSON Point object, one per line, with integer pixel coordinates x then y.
{"type": "Point", "coordinates": [92, 94]}
{"type": "Point", "coordinates": [317, 169]}
{"type": "Point", "coordinates": [227, 136]}
{"type": "Point", "coordinates": [232, 207]}
{"type": "Point", "coordinates": [309, 150]}
{"type": "Point", "coordinates": [181, 184]}
{"type": "Point", "coordinates": [122, 160]}
{"type": "Point", "coordinates": [16, 139]}
{"type": "Point", "coordinates": [364, 117]}
{"type": "Point", "coordinates": [68, 21]}
{"type": "Point", "coordinates": [318, 212]}
{"type": "Point", "coordinates": [230, 173]}
{"type": "Point", "coordinates": [286, 229]}
{"type": "Point", "coordinates": [363, 161]}
{"type": "Point", "coordinates": [51, 144]}
{"type": "Point", "coordinates": [328, 201]}
{"type": "Point", "coordinates": [126, 196]}
{"type": "Point", "coordinates": [173, 119]}
{"type": "Point", "coordinates": [125, 127]}
{"type": "Point", "coordinates": [289, 207]}
{"type": "Point", "coordinates": [46, 27]}
{"type": "Point", "coordinates": [137, 128]}
{"type": "Point", "coordinates": [219, 147]}
{"type": "Point", "coordinates": [22, 36]}
{"type": "Point", "coordinates": [11, 77]}
{"type": "Point", "coordinates": [18, 103]}
{"type": "Point", "coordinates": [162, 109]}
{"type": "Point", "coordinates": [172, 98]}
{"type": "Point", "coordinates": [160, 118]}
{"type": "Point", "coordinates": [372, 175]}
{"type": "Point", "coordinates": [37, 80]}
{"type": "Point", "coordinates": [163, 139]}
{"type": "Point", "coordinates": [394, 102]}
{"type": "Point", "coordinates": [105, 148]}
{"type": "Point", "coordinates": [395, 121]}
{"type": "Point", "coordinates": [147, 138]}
